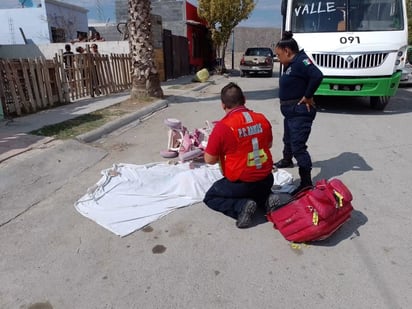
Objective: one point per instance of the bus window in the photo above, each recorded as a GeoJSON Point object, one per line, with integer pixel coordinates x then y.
{"type": "Point", "coordinates": [330, 21]}
{"type": "Point", "coordinates": [375, 15]}
{"type": "Point", "coordinates": [346, 15]}
{"type": "Point", "coordinates": [315, 16]}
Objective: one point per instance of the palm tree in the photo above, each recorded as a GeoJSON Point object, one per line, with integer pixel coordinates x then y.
{"type": "Point", "coordinates": [145, 77]}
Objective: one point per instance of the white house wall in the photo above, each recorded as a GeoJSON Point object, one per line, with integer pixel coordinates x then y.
{"type": "Point", "coordinates": [67, 17]}
{"type": "Point", "coordinates": [31, 20]}
{"type": "Point", "coordinates": [48, 51]}
{"type": "Point", "coordinates": [36, 22]}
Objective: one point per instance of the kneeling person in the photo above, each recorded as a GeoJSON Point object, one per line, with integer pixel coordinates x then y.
{"type": "Point", "coordinates": [241, 143]}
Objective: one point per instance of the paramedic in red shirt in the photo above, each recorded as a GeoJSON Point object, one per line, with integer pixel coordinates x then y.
{"type": "Point", "coordinates": [241, 143]}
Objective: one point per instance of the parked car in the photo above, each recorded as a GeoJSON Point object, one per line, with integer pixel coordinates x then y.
{"type": "Point", "coordinates": [257, 60]}
{"type": "Point", "coordinates": [406, 77]}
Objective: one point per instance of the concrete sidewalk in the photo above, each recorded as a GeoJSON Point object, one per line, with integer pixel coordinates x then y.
{"type": "Point", "coordinates": [15, 137]}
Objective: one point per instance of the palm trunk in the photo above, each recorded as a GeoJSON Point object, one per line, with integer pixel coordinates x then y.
{"type": "Point", "coordinates": [145, 77]}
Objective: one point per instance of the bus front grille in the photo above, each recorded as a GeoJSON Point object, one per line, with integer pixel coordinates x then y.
{"type": "Point", "coordinates": [356, 61]}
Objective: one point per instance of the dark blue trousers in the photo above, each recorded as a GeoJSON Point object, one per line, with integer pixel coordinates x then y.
{"type": "Point", "coordinates": [229, 197]}
{"type": "Point", "coordinates": [297, 125]}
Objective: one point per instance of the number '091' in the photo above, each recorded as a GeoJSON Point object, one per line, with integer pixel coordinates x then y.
{"type": "Point", "coordinates": [349, 40]}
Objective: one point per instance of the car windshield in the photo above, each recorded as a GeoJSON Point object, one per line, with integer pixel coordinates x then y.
{"type": "Point", "coordinates": [346, 15]}
{"type": "Point", "coordinates": [259, 52]}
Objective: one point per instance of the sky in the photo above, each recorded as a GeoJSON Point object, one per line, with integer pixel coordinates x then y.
{"type": "Point", "coordinates": [265, 14]}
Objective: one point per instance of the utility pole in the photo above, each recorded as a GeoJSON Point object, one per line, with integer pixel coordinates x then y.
{"type": "Point", "coordinates": [233, 49]}
{"type": "Point", "coordinates": [11, 31]}
{"type": "Point", "coordinates": [100, 13]}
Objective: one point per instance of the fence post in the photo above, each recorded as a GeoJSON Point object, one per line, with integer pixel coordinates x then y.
{"type": "Point", "coordinates": [1, 109]}
{"type": "Point", "coordinates": [2, 95]}
{"type": "Point", "coordinates": [63, 73]}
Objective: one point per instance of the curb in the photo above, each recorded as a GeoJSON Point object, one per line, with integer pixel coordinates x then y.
{"type": "Point", "coordinates": [95, 134]}
{"type": "Point", "coordinates": [202, 85]}
{"type": "Point", "coordinates": [7, 151]}
{"type": "Point", "coordinates": [109, 127]}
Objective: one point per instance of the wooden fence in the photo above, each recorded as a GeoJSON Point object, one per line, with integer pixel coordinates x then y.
{"type": "Point", "coordinates": [30, 85]}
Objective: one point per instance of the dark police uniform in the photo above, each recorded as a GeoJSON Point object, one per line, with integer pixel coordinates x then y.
{"type": "Point", "coordinates": [300, 78]}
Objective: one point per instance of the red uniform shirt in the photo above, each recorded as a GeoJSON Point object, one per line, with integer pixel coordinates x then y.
{"type": "Point", "coordinates": [241, 140]}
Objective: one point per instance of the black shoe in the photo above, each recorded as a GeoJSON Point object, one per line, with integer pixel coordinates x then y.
{"type": "Point", "coordinates": [283, 163]}
{"type": "Point", "coordinates": [305, 180]}
{"type": "Point", "coordinates": [272, 203]}
{"type": "Point", "coordinates": [245, 217]}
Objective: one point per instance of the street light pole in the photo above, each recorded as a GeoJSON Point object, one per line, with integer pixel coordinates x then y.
{"type": "Point", "coordinates": [233, 49]}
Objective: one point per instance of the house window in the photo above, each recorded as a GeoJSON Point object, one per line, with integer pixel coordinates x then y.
{"type": "Point", "coordinates": [58, 35]}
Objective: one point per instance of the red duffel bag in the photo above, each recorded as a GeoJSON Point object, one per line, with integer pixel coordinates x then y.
{"type": "Point", "coordinates": [314, 214]}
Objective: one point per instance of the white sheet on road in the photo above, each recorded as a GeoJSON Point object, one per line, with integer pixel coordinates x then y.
{"type": "Point", "coordinates": [129, 196]}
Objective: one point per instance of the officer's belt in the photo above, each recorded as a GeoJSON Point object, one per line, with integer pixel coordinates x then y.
{"type": "Point", "coordinates": [289, 102]}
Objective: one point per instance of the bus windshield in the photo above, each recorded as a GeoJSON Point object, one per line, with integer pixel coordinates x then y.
{"type": "Point", "coordinates": [346, 15]}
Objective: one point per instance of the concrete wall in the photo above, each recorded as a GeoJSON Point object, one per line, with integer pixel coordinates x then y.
{"type": "Point", "coordinates": [110, 32]}
{"type": "Point", "coordinates": [249, 37]}
{"type": "Point", "coordinates": [48, 51]}
{"type": "Point", "coordinates": [172, 12]}
{"type": "Point", "coordinates": [71, 18]}
{"type": "Point", "coordinates": [121, 10]}
{"type": "Point", "coordinates": [173, 15]}
{"type": "Point", "coordinates": [244, 38]}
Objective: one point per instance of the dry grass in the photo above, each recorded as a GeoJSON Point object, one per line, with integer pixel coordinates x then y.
{"type": "Point", "coordinates": [85, 123]}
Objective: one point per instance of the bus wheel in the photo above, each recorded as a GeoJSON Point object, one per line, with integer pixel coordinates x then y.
{"type": "Point", "coordinates": [379, 103]}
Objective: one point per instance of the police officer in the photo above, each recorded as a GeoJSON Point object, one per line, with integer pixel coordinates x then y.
{"type": "Point", "coordinates": [297, 85]}
{"type": "Point", "coordinates": [241, 143]}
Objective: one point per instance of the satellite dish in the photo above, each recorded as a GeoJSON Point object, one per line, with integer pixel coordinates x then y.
{"type": "Point", "coordinates": [26, 3]}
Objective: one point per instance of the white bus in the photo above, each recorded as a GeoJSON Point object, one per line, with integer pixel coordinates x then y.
{"type": "Point", "coordinates": [359, 45]}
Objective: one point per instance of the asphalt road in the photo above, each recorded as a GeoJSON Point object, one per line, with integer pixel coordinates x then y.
{"type": "Point", "coordinates": [53, 257]}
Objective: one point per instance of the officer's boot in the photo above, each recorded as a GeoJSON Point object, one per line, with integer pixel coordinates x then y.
{"type": "Point", "coordinates": [285, 162]}
{"type": "Point", "coordinates": [305, 180]}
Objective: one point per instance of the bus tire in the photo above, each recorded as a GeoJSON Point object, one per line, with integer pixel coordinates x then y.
{"type": "Point", "coordinates": [379, 103]}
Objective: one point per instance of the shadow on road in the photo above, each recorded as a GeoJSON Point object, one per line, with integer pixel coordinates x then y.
{"type": "Point", "coordinates": [346, 161]}
{"type": "Point", "coordinates": [181, 99]}
{"type": "Point", "coordinates": [262, 94]}
{"type": "Point", "coordinates": [330, 168]}
{"type": "Point", "coordinates": [333, 167]}
{"type": "Point", "coordinates": [349, 230]}
{"type": "Point", "coordinates": [399, 104]}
